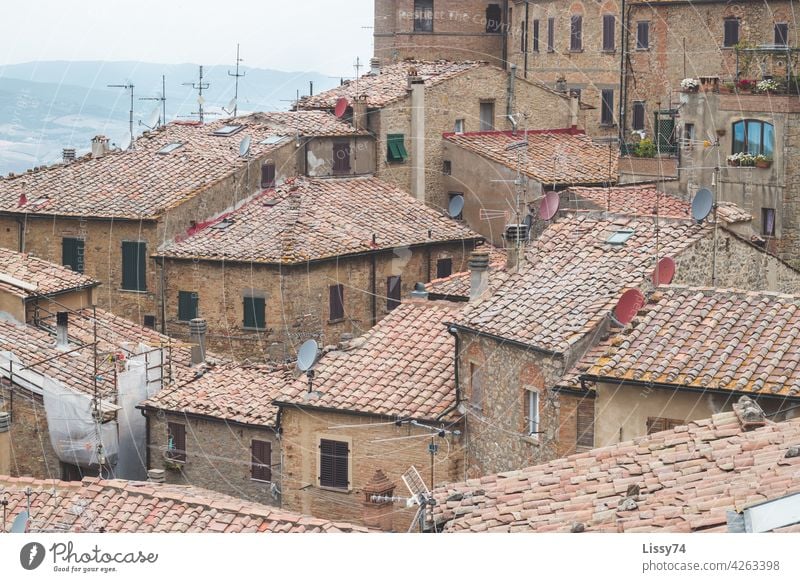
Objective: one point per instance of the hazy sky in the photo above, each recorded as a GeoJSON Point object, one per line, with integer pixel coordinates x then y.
{"type": "Point", "coordinates": [294, 35]}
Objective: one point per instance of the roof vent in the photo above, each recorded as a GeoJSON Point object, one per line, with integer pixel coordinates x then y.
{"type": "Point", "coordinates": [68, 154]}
{"type": "Point", "coordinates": [223, 224]}
{"type": "Point", "coordinates": [517, 232]}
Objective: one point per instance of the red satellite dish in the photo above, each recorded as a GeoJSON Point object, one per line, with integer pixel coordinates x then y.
{"type": "Point", "coordinates": [341, 106]}
{"type": "Point", "coordinates": [628, 306]}
{"type": "Point", "coordinates": [664, 272]}
{"type": "Point", "coordinates": [549, 205]}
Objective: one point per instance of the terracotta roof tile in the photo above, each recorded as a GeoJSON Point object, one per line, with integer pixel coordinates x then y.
{"type": "Point", "coordinates": [636, 200]}
{"type": "Point", "coordinates": [401, 367]}
{"type": "Point", "coordinates": [137, 507]}
{"type": "Point", "coordinates": [552, 156]}
{"type": "Point", "coordinates": [142, 183]}
{"type": "Point", "coordinates": [692, 494]}
{"type": "Point", "coordinates": [308, 219]}
{"type": "Point", "coordinates": [47, 277]}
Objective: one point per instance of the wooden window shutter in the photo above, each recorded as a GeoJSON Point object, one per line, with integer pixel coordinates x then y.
{"type": "Point", "coordinates": [187, 305]}
{"type": "Point", "coordinates": [254, 312]}
{"type": "Point", "coordinates": [72, 253]}
{"type": "Point", "coordinates": [585, 420]}
{"type": "Point", "coordinates": [268, 175]}
{"type": "Point", "coordinates": [134, 266]}
{"type": "Point", "coordinates": [657, 424]}
{"type": "Point", "coordinates": [261, 461]}
{"type": "Point", "coordinates": [176, 434]}
{"type": "Point", "coordinates": [393, 286]}
{"type": "Point", "coordinates": [609, 24]}
{"type": "Point", "coordinates": [341, 158]}
{"type": "Point", "coordinates": [333, 464]}
{"type": "Point", "coordinates": [336, 302]}
{"type": "Point", "coordinates": [444, 268]}
{"type": "Point", "coordinates": [576, 33]}
{"type": "Point", "coordinates": [536, 36]}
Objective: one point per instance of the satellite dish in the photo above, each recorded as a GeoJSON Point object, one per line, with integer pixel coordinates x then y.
{"type": "Point", "coordinates": [549, 205]}
{"type": "Point", "coordinates": [201, 100]}
{"type": "Point", "coordinates": [307, 355]}
{"type": "Point", "coordinates": [154, 117]}
{"type": "Point", "coordinates": [664, 272]}
{"type": "Point", "coordinates": [231, 105]}
{"type": "Point", "coordinates": [341, 106]}
{"type": "Point", "coordinates": [702, 204]}
{"type": "Point", "coordinates": [244, 146]}
{"type": "Point", "coordinates": [628, 306]}
{"type": "Point", "coordinates": [21, 523]}
{"type": "Point", "coordinates": [126, 143]}
{"type": "Point", "coordinates": [456, 206]}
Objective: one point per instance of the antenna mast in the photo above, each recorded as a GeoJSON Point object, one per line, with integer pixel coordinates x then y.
{"type": "Point", "coordinates": [200, 100]}
{"type": "Point", "coordinates": [128, 86]}
{"type": "Point", "coordinates": [236, 75]}
{"type": "Point", "coordinates": [163, 99]}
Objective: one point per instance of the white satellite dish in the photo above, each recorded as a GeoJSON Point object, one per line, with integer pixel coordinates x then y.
{"type": "Point", "coordinates": [21, 523]}
{"type": "Point", "coordinates": [126, 143]}
{"type": "Point", "coordinates": [231, 105]}
{"type": "Point", "coordinates": [152, 121]}
{"type": "Point", "coordinates": [307, 356]}
{"type": "Point", "coordinates": [456, 206]}
{"type": "Point", "coordinates": [201, 100]}
{"type": "Point", "coordinates": [244, 146]}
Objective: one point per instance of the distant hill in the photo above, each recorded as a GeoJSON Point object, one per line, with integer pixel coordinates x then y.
{"type": "Point", "coordinates": [46, 106]}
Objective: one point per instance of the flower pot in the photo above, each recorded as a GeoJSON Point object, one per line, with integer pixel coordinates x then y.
{"type": "Point", "coordinates": [763, 165]}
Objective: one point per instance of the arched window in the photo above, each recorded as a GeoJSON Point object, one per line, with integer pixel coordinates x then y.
{"type": "Point", "coordinates": [751, 136]}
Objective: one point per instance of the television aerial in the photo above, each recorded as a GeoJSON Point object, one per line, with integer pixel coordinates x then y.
{"type": "Point", "coordinates": [456, 206]}
{"type": "Point", "coordinates": [244, 146]}
{"type": "Point", "coordinates": [702, 204]}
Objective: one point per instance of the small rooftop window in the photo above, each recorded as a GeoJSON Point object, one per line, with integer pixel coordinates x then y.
{"type": "Point", "coordinates": [223, 224]}
{"type": "Point", "coordinates": [228, 130]}
{"type": "Point", "coordinates": [169, 148]}
{"type": "Point", "coordinates": [620, 237]}
{"type": "Point", "coordinates": [272, 139]}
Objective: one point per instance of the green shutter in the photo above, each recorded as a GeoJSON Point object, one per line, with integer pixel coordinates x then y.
{"type": "Point", "coordinates": [134, 266]}
{"type": "Point", "coordinates": [72, 253]}
{"type": "Point", "coordinates": [254, 312]}
{"type": "Point", "coordinates": [187, 305]}
{"type": "Point", "coordinates": [396, 147]}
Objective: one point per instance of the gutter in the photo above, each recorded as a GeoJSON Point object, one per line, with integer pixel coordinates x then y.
{"type": "Point", "coordinates": [144, 408]}
{"type": "Point", "coordinates": [513, 342]}
{"type": "Point", "coordinates": [452, 330]}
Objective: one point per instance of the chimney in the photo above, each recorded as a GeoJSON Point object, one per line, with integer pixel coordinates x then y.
{"type": "Point", "coordinates": [62, 326]}
{"type": "Point", "coordinates": [417, 137]}
{"type": "Point", "coordinates": [574, 108]}
{"type": "Point", "coordinates": [68, 155]}
{"type": "Point", "coordinates": [749, 414]}
{"type": "Point", "coordinates": [360, 112]}
{"type": "Point", "coordinates": [378, 508]}
{"type": "Point", "coordinates": [479, 274]}
{"type": "Point", "coordinates": [156, 476]}
{"type": "Point", "coordinates": [375, 66]}
{"type": "Point", "coordinates": [419, 291]}
{"type": "Point", "coordinates": [100, 146]}
{"type": "Point", "coordinates": [5, 443]}
{"type": "Point", "coordinates": [197, 330]}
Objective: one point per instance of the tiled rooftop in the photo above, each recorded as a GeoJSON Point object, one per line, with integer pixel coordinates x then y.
{"type": "Point", "coordinates": [552, 156]}
{"type": "Point", "coordinates": [713, 340]}
{"type": "Point", "coordinates": [117, 506]}
{"type": "Point", "coordinates": [682, 480]}
{"type": "Point", "coordinates": [638, 200]}
{"type": "Point", "coordinates": [457, 285]}
{"type": "Point", "coordinates": [401, 367]}
{"type": "Point", "coordinates": [142, 183]}
{"type": "Point", "coordinates": [574, 278]}
{"type": "Point", "coordinates": [233, 392]}
{"type": "Point", "coordinates": [391, 84]}
{"type": "Point", "coordinates": [308, 219]}
{"type": "Point", "coordinates": [48, 278]}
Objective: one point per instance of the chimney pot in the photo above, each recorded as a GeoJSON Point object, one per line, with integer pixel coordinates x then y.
{"type": "Point", "coordinates": [62, 330]}
{"type": "Point", "coordinates": [375, 66]}
{"type": "Point", "coordinates": [197, 330]}
{"type": "Point", "coordinates": [156, 476]}
{"type": "Point", "coordinates": [100, 146]}
{"type": "Point", "coordinates": [479, 274]}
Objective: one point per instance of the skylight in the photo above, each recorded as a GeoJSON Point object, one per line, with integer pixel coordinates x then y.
{"type": "Point", "coordinates": [169, 148]}
{"type": "Point", "coordinates": [228, 130]}
{"type": "Point", "coordinates": [620, 237]}
{"type": "Point", "coordinates": [272, 139]}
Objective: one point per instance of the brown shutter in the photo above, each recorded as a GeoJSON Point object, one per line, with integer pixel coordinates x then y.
{"type": "Point", "coordinates": [393, 286]}
{"type": "Point", "coordinates": [655, 425]}
{"type": "Point", "coordinates": [444, 268]}
{"type": "Point", "coordinates": [177, 434]}
{"type": "Point", "coordinates": [268, 176]}
{"type": "Point", "coordinates": [585, 421]}
{"type": "Point", "coordinates": [336, 302]}
{"type": "Point", "coordinates": [261, 461]}
{"type": "Point", "coordinates": [333, 464]}
{"type": "Point", "coordinates": [341, 158]}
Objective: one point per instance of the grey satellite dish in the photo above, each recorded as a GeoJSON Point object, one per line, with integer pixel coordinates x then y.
{"type": "Point", "coordinates": [231, 105]}
{"type": "Point", "coordinates": [154, 117]}
{"type": "Point", "coordinates": [126, 143]}
{"type": "Point", "coordinates": [307, 356]}
{"type": "Point", "coordinates": [456, 206]}
{"type": "Point", "coordinates": [21, 523]}
{"type": "Point", "coordinates": [702, 204]}
{"type": "Point", "coordinates": [244, 146]}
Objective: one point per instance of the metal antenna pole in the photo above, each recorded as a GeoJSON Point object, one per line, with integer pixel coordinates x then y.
{"type": "Point", "coordinates": [199, 86]}
{"type": "Point", "coordinates": [236, 83]}
{"type": "Point", "coordinates": [128, 87]}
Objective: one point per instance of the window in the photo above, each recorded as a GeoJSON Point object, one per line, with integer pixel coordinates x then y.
{"type": "Point", "coordinates": [444, 268]}
{"type": "Point", "coordinates": [531, 413]}
{"type": "Point", "coordinates": [70, 472]}
{"type": "Point", "coordinates": [169, 148]}
{"type": "Point", "coordinates": [585, 421]}
{"type": "Point", "coordinates": [261, 460]}
{"type": "Point", "coordinates": [607, 107]}
{"type": "Point", "coordinates": [423, 15]}
{"type": "Point", "coordinates": [638, 115]}
{"type": "Point", "coordinates": [268, 175]}
{"type": "Point", "coordinates": [642, 35]}
{"type": "Point", "coordinates": [395, 148]}
{"type": "Point", "coordinates": [227, 130]}
{"type": "Point", "coordinates": [134, 266]}
{"type": "Point", "coordinates": [494, 18]}
{"type": "Point", "coordinates": [72, 253]}
{"type": "Point", "coordinates": [781, 34]}
{"type": "Point", "coordinates": [334, 461]}
{"type": "Point", "coordinates": [688, 134]}
{"type": "Point", "coordinates": [450, 196]}
{"type": "Point", "coordinates": [393, 286]}
{"type": "Point", "coordinates": [176, 441]}
{"type": "Point", "coordinates": [187, 305]}
{"type": "Point", "coordinates": [447, 167]}
{"type": "Point", "coordinates": [536, 36]}
{"type": "Point", "coordinates": [523, 36]}
{"type": "Point", "coordinates": [254, 313]}
{"type": "Point", "coordinates": [336, 302]}
{"type": "Point", "coordinates": [620, 237]}
{"type": "Point", "coordinates": [487, 115]}
{"type": "Point", "coordinates": [459, 127]}
{"type": "Point", "coordinates": [551, 34]}
{"type": "Point", "coordinates": [657, 424]}
{"type": "Point", "coordinates": [731, 32]}
{"type": "Point", "coordinates": [768, 221]}
{"type": "Point", "coordinates": [341, 158]}
{"type": "Point", "coordinates": [476, 386]}
{"type": "Point", "coordinates": [753, 137]}
{"type": "Point", "coordinates": [576, 33]}
{"type": "Point", "coordinates": [609, 27]}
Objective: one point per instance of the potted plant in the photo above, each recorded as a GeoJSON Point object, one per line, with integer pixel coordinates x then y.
{"type": "Point", "coordinates": [747, 160]}
{"type": "Point", "coordinates": [745, 85]}
{"type": "Point", "coordinates": [733, 159]}
{"type": "Point", "coordinates": [768, 86]}
{"type": "Point", "coordinates": [645, 149]}
{"type": "Point", "coordinates": [690, 85]}
{"type": "Point", "coordinates": [727, 88]}
{"type": "Point", "coordinates": [763, 161]}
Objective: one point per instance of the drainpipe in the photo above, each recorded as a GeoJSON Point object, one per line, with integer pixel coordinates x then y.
{"type": "Point", "coordinates": [454, 332]}
{"type": "Point", "coordinates": [512, 74]}
{"type": "Point", "coordinates": [418, 138]}
{"type": "Point", "coordinates": [506, 27]}
{"type": "Point", "coordinates": [161, 265]}
{"type": "Point", "coordinates": [527, 36]}
{"type": "Point", "coordinates": [624, 22]}
{"type": "Point", "coordinates": [373, 283]}
{"type": "Point", "coordinates": [21, 234]}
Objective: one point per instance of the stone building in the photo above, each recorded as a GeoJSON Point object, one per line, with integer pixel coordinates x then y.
{"type": "Point", "coordinates": [315, 258]}
{"type": "Point", "coordinates": [520, 340]}
{"type": "Point", "coordinates": [105, 214]}
{"type": "Point", "coordinates": [217, 430]}
{"type": "Point", "coordinates": [374, 408]}
{"type": "Point", "coordinates": [407, 106]}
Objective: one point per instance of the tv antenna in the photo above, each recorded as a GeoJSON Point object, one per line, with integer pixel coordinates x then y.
{"type": "Point", "coordinates": [128, 86]}
{"type": "Point", "coordinates": [236, 75]}
{"type": "Point", "coordinates": [156, 120]}
{"type": "Point", "coordinates": [199, 86]}
{"type": "Point", "coordinates": [306, 358]}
